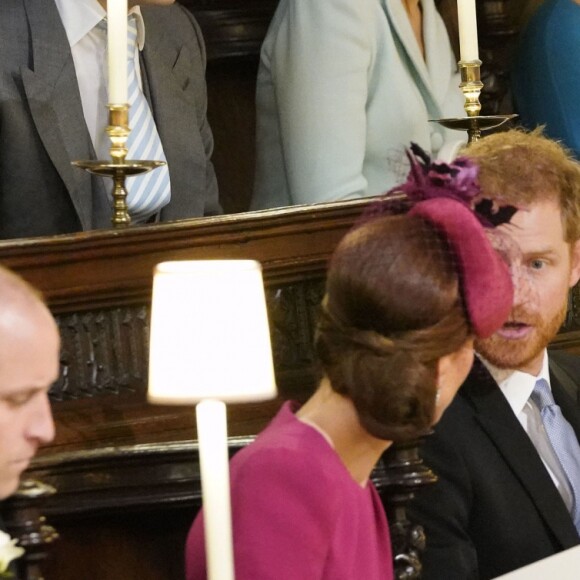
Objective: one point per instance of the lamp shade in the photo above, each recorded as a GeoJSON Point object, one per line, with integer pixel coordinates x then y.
{"type": "Point", "coordinates": [209, 333]}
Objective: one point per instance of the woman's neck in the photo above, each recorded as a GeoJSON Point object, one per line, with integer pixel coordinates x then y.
{"type": "Point", "coordinates": [415, 14]}
{"type": "Point", "coordinates": [336, 416]}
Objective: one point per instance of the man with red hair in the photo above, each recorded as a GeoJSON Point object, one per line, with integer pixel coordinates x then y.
{"type": "Point", "coordinates": [509, 479]}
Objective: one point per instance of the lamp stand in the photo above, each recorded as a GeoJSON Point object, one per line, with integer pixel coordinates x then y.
{"type": "Point", "coordinates": [212, 436]}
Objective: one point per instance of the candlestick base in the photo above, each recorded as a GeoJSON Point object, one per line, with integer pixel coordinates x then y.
{"type": "Point", "coordinates": [119, 172]}
{"type": "Point", "coordinates": [474, 125]}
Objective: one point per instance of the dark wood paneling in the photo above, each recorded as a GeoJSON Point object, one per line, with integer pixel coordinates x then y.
{"type": "Point", "coordinates": [98, 286]}
{"type": "Point", "coordinates": [233, 31]}
{"type": "Point", "coordinates": [232, 28]}
{"type": "Point", "coordinates": [232, 116]}
{"type": "Point", "coordinates": [122, 546]}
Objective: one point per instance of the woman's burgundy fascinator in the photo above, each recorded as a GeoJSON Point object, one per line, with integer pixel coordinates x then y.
{"type": "Point", "coordinates": [449, 197]}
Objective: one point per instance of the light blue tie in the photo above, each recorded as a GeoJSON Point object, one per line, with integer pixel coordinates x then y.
{"type": "Point", "coordinates": [563, 440]}
{"type": "Point", "coordinates": [148, 193]}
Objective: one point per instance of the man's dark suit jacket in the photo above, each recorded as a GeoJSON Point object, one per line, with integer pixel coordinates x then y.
{"type": "Point", "coordinates": [495, 507]}
{"type": "Point", "coordinates": [42, 126]}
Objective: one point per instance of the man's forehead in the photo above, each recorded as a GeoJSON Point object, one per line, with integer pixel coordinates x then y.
{"type": "Point", "coordinates": [548, 206]}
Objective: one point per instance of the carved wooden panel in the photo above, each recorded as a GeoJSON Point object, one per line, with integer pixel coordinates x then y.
{"type": "Point", "coordinates": [105, 352]}
{"type": "Point", "coordinates": [293, 311]}
{"type": "Point", "coordinates": [573, 317]}
{"type": "Point", "coordinates": [569, 335]}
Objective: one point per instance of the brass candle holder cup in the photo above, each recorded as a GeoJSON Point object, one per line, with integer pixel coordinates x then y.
{"type": "Point", "coordinates": [473, 123]}
{"type": "Point", "coordinates": [119, 168]}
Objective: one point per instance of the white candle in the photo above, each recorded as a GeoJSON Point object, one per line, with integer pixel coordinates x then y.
{"type": "Point", "coordinates": [212, 436]}
{"type": "Point", "coordinates": [117, 50]}
{"type": "Point", "coordinates": [468, 47]}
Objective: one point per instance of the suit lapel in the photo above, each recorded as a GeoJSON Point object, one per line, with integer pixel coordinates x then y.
{"type": "Point", "coordinates": [167, 70]}
{"type": "Point", "coordinates": [439, 59]}
{"type": "Point", "coordinates": [501, 425]}
{"type": "Point", "coordinates": [410, 52]}
{"type": "Point", "coordinates": [567, 404]}
{"type": "Point", "coordinates": [53, 96]}
{"type": "Point", "coordinates": [565, 377]}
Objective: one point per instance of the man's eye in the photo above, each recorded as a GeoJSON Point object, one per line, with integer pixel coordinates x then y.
{"type": "Point", "coordinates": [19, 400]}
{"type": "Point", "coordinates": [537, 264]}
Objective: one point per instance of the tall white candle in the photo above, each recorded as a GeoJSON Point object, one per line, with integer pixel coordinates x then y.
{"type": "Point", "coordinates": [468, 46]}
{"type": "Point", "coordinates": [117, 50]}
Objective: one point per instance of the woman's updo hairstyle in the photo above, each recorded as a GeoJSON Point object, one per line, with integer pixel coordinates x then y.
{"type": "Point", "coordinates": [392, 309]}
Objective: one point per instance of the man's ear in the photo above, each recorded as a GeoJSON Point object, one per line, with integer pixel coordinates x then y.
{"type": "Point", "coordinates": [575, 262]}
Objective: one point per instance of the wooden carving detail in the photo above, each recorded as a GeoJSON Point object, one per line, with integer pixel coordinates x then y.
{"type": "Point", "coordinates": [22, 513]}
{"type": "Point", "coordinates": [103, 352]}
{"type": "Point", "coordinates": [498, 36]}
{"type": "Point", "coordinates": [400, 474]}
{"type": "Point", "coordinates": [292, 311]}
{"type": "Point", "coordinates": [572, 322]}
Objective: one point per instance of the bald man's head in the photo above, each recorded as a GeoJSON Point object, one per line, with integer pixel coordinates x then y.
{"type": "Point", "coordinates": [29, 364]}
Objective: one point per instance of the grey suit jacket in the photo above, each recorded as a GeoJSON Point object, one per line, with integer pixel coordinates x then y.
{"type": "Point", "coordinates": [495, 507]}
{"type": "Point", "coordinates": [42, 127]}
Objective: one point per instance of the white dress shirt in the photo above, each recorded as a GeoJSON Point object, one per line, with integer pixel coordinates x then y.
{"type": "Point", "coordinates": [517, 388]}
{"type": "Point", "coordinates": [89, 51]}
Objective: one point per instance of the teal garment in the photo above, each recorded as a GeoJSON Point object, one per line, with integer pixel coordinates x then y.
{"type": "Point", "coordinates": [546, 72]}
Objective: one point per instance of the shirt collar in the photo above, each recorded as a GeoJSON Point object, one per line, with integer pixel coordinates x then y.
{"type": "Point", "coordinates": [136, 10]}
{"type": "Point", "coordinates": [79, 17]}
{"type": "Point", "coordinates": [517, 386]}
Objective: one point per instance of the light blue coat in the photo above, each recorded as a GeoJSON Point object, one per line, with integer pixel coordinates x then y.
{"type": "Point", "coordinates": [342, 89]}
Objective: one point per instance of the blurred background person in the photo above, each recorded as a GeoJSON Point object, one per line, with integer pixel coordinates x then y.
{"type": "Point", "coordinates": [53, 110]}
{"type": "Point", "coordinates": [546, 70]}
{"type": "Point", "coordinates": [343, 87]}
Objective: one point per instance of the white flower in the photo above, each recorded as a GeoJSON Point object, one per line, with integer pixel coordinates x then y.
{"type": "Point", "coordinates": [8, 551]}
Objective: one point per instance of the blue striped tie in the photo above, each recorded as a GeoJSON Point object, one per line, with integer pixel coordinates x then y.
{"type": "Point", "coordinates": [148, 193]}
{"type": "Point", "coordinates": [563, 440]}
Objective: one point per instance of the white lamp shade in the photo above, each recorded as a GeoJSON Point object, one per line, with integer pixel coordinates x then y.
{"type": "Point", "coordinates": [209, 333]}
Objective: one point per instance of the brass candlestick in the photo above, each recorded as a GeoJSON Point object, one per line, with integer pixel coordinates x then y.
{"type": "Point", "coordinates": [474, 123]}
{"type": "Point", "coordinates": [471, 86]}
{"type": "Point", "coordinates": [118, 130]}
